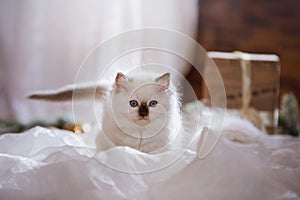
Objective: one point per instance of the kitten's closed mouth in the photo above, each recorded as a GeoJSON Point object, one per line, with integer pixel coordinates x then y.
{"type": "Point", "coordinates": [144, 118]}
{"type": "Point", "coordinates": [143, 121]}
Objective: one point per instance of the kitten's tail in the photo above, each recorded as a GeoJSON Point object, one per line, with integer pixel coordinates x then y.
{"type": "Point", "coordinates": [70, 93]}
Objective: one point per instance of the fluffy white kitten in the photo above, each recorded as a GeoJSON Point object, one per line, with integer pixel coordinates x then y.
{"type": "Point", "coordinates": [141, 110]}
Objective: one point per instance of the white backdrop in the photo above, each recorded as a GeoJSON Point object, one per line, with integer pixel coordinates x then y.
{"type": "Point", "coordinates": [43, 43]}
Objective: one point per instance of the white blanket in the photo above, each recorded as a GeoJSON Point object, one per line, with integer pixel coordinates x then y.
{"type": "Point", "coordinates": [54, 164]}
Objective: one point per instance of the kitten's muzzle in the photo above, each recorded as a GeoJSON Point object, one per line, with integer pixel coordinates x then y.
{"type": "Point", "coordinates": [143, 111]}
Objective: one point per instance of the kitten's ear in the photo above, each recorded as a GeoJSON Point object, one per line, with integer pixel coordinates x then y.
{"type": "Point", "coordinates": [70, 93]}
{"type": "Point", "coordinates": [163, 81]}
{"type": "Point", "coordinates": [121, 82]}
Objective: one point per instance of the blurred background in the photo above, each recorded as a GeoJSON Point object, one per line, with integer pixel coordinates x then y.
{"type": "Point", "coordinates": [256, 26]}
{"type": "Point", "coordinates": [43, 43]}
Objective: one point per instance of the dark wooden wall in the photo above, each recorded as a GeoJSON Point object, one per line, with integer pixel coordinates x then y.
{"type": "Point", "coordinates": [257, 26]}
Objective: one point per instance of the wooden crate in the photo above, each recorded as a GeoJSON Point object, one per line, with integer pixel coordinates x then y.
{"type": "Point", "coordinates": [264, 76]}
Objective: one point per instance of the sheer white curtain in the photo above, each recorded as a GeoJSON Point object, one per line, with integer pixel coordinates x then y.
{"type": "Point", "coordinates": [43, 43]}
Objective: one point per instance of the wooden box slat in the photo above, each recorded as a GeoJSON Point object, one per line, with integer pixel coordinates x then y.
{"type": "Point", "coordinates": [265, 72]}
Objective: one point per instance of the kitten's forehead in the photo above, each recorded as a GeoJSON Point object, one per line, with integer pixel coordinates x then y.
{"type": "Point", "coordinates": [145, 92]}
{"type": "Point", "coordinates": [141, 85]}
{"type": "Point", "coordinates": [141, 80]}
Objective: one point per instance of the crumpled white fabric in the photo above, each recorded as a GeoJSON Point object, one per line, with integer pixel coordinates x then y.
{"type": "Point", "coordinates": [53, 164]}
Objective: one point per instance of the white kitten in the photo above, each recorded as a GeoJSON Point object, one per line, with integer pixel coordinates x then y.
{"type": "Point", "coordinates": [141, 110]}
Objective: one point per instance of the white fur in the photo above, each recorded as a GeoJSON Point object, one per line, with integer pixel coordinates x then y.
{"type": "Point", "coordinates": [121, 125]}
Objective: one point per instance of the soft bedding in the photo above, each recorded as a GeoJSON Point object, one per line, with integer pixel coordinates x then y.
{"type": "Point", "coordinates": [244, 164]}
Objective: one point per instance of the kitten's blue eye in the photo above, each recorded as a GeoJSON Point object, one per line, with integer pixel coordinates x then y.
{"type": "Point", "coordinates": [152, 103]}
{"type": "Point", "coordinates": [133, 103]}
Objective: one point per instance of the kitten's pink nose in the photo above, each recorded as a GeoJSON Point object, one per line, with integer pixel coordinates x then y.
{"type": "Point", "coordinates": [143, 111]}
